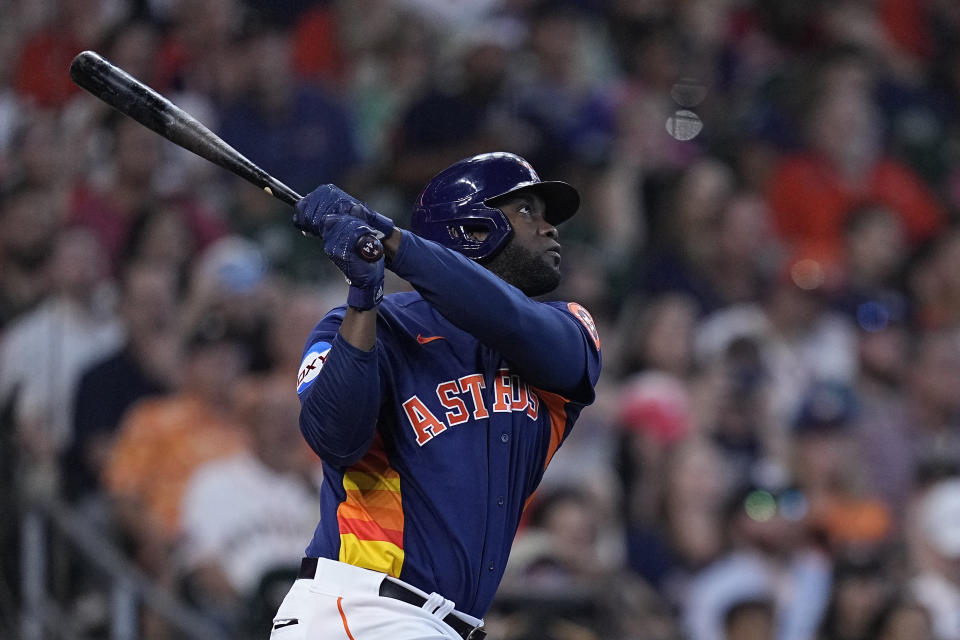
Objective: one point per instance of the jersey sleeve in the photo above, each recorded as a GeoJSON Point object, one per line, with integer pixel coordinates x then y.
{"type": "Point", "coordinates": [340, 391]}
{"type": "Point", "coordinates": [589, 343]}
{"type": "Point", "coordinates": [547, 344]}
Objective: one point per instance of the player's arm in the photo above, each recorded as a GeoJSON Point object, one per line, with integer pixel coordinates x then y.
{"type": "Point", "coordinates": [339, 388]}
{"type": "Point", "coordinates": [339, 383]}
{"type": "Point", "coordinates": [545, 344]}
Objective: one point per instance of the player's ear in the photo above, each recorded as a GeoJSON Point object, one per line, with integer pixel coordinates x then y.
{"type": "Point", "coordinates": [476, 234]}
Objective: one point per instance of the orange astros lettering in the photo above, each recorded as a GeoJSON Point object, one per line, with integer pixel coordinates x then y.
{"type": "Point", "coordinates": [510, 394]}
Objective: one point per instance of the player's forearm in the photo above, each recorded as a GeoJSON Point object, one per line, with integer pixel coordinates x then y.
{"type": "Point", "coordinates": [359, 328]}
{"type": "Point", "coordinates": [339, 411]}
{"type": "Point", "coordinates": [544, 345]}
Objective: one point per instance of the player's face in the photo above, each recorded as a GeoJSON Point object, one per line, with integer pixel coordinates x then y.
{"type": "Point", "coordinates": [531, 259]}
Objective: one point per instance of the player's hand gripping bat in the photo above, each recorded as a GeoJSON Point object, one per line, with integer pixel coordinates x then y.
{"type": "Point", "coordinates": [131, 97]}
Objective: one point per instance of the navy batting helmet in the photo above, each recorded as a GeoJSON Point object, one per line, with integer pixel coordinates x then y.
{"type": "Point", "coordinates": [456, 202]}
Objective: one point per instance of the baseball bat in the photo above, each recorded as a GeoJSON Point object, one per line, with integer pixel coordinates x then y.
{"type": "Point", "coordinates": [131, 97]}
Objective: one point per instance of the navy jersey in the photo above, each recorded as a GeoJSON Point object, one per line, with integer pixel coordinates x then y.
{"type": "Point", "coordinates": [462, 434]}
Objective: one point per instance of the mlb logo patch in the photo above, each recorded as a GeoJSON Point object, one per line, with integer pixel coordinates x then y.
{"type": "Point", "coordinates": [311, 365]}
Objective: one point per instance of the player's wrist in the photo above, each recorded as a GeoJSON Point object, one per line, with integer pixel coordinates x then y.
{"type": "Point", "coordinates": [364, 298]}
{"type": "Point", "coordinates": [391, 243]}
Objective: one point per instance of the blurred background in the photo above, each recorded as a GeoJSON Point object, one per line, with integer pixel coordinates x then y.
{"type": "Point", "coordinates": [769, 242]}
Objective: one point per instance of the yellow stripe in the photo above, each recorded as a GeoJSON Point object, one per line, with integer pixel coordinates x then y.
{"type": "Point", "coordinates": [360, 481]}
{"type": "Point", "coordinates": [377, 555]}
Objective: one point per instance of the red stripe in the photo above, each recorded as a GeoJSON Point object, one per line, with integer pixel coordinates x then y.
{"type": "Point", "coordinates": [369, 530]}
{"type": "Point", "coordinates": [343, 618]}
{"type": "Point", "coordinates": [376, 453]}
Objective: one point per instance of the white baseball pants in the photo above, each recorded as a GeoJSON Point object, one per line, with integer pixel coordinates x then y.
{"type": "Point", "coordinates": [342, 602]}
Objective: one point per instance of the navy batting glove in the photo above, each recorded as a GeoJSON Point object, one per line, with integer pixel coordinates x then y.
{"type": "Point", "coordinates": [326, 200]}
{"type": "Point", "coordinates": [340, 235]}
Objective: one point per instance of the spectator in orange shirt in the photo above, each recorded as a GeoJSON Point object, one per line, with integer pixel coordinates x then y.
{"type": "Point", "coordinates": [844, 165]}
{"type": "Point", "coordinates": [161, 442]}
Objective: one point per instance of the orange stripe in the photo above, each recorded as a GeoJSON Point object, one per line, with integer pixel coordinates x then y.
{"type": "Point", "coordinates": [343, 618]}
{"type": "Point", "coordinates": [367, 530]}
{"type": "Point", "coordinates": [375, 498]}
{"type": "Point", "coordinates": [389, 518]}
{"type": "Point", "coordinates": [558, 421]}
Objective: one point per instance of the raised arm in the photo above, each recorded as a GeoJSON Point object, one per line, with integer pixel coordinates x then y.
{"type": "Point", "coordinates": [546, 344]}
{"type": "Point", "coordinates": [339, 379]}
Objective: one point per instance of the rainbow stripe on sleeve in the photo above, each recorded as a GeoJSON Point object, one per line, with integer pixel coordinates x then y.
{"type": "Point", "coordinates": [371, 516]}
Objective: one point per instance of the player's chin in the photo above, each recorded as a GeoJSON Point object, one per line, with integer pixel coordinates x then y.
{"type": "Point", "coordinates": [542, 279]}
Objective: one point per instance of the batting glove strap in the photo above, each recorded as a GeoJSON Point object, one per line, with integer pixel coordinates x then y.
{"type": "Point", "coordinates": [364, 298]}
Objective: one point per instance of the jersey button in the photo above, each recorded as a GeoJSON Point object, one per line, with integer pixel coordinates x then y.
{"type": "Point", "coordinates": [504, 437]}
{"type": "Point", "coordinates": [500, 501]}
{"type": "Point", "coordinates": [491, 567]}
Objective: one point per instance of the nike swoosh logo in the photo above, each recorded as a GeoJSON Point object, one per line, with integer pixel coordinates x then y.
{"type": "Point", "coordinates": [280, 624]}
{"type": "Point", "coordinates": [423, 340]}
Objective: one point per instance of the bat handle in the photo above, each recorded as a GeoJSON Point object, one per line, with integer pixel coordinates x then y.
{"type": "Point", "coordinates": [369, 248]}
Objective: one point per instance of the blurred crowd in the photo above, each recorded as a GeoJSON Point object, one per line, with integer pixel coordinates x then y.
{"type": "Point", "coordinates": [769, 242]}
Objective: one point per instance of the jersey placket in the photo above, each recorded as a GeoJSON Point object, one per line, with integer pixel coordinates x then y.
{"type": "Point", "coordinates": [499, 445]}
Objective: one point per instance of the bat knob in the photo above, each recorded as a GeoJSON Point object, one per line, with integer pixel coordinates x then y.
{"type": "Point", "coordinates": [369, 247]}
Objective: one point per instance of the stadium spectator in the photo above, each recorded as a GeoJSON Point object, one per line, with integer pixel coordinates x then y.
{"type": "Point", "coordinates": [799, 338]}
{"type": "Point", "coordinates": [882, 424]}
{"type": "Point", "coordinates": [44, 352]}
{"type": "Point", "coordinates": [683, 236]}
{"type": "Point", "coordinates": [768, 556]}
{"type": "Point", "coordinates": [131, 187]}
{"type": "Point", "coordinates": [872, 266]}
{"type": "Point", "coordinates": [844, 507]}
{"type": "Point", "coordinates": [750, 619]}
{"type": "Point", "coordinates": [844, 164]}
{"type": "Point", "coordinates": [287, 126]}
{"type": "Point", "coordinates": [657, 335]}
{"type": "Point", "coordinates": [937, 583]}
{"type": "Point", "coordinates": [934, 282]}
{"type": "Point", "coordinates": [902, 618]}
{"type": "Point", "coordinates": [28, 219]}
{"type": "Point", "coordinates": [162, 441]}
{"type": "Point", "coordinates": [932, 403]}
{"type": "Point", "coordinates": [464, 109]}
{"type": "Point", "coordinates": [861, 589]}
{"type": "Point", "coordinates": [237, 553]}
{"type": "Point", "coordinates": [147, 363]}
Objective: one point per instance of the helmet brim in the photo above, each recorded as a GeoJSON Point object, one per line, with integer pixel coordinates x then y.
{"type": "Point", "coordinates": [561, 199]}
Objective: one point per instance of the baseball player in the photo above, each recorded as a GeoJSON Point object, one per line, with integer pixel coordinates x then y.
{"type": "Point", "coordinates": [435, 411]}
